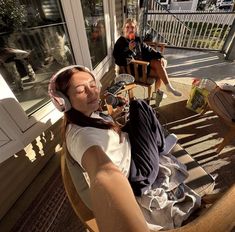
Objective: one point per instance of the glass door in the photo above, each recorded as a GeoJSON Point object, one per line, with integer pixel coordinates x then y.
{"type": "Point", "coordinates": [34, 43]}
{"type": "Point", "coordinates": [39, 37]}
{"type": "Point", "coordinates": [93, 14]}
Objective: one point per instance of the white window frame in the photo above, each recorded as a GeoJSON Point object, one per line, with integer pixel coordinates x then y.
{"type": "Point", "coordinates": [17, 129]}
{"type": "Point", "coordinates": [74, 15]}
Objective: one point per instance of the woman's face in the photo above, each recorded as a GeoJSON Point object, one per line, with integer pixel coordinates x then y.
{"type": "Point", "coordinates": [83, 93]}
{"type": "Point", "coordinates": [129, 28]}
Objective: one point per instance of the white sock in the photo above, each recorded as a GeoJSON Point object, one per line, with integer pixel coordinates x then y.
{"type": "Point", "coordinates": [171, 141]}
{"type": "Point", "coordinates": [169, 88]}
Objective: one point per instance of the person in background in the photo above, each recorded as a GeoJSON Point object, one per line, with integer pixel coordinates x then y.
{"type": "Point", "coordinates": [11, 59]}
{"type": "Point", "coordinates": [129, 46]}
{"type": "Point", "coordinates": [97, 44]}
{"type": "Point", "coordinates": [98, 31]}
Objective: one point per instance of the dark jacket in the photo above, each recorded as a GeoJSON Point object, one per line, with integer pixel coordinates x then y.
{"type": "Point", "coordinates": [122, 54]}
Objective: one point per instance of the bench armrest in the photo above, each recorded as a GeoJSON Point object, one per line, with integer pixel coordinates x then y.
{"type": "Point", "coordinates": [219, 217]}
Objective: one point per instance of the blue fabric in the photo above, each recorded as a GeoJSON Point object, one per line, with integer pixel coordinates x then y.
{"type": "Point", "coordinates": [147, 140]}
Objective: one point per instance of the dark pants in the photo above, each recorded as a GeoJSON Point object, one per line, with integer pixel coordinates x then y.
{"type": "Point", "coordinates": [147, 140]}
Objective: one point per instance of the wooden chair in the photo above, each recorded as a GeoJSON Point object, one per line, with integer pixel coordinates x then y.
{"type": "Point", "coordinates": [140, 75]}
{"type": "Point", "coordinates": [157, 45]}
{"type": "Point", "coordinates": [219, 217]}
{"type": "Point", "coordinates": [82, 211]}
{"type": "Point", "coordinates": [140, 70]}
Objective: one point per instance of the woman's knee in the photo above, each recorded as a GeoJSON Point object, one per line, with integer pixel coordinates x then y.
{"type": "Point", "coordinates": [158, 63]}
{"type": "Point", "coordinates": [163, 62]}
{"type": "Point", "coordinates": [156, 67]}
{"type": "Point", "coordinates": [140, 107]}
{"type": "Point", "coordinates": [138, 104]}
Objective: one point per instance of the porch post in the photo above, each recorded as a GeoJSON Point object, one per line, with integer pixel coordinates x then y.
{"type": "Point", "coordinates": [143, 17]}
{"type": "Point", "coordinates": [229, 45]}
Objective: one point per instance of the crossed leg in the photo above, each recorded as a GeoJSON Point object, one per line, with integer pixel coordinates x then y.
{"type": "Point", "coordinates": [158, 70]}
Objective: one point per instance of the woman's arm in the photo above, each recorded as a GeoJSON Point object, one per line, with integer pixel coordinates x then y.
{"type": "Point", "coordinates": [149, 53]}
{"type": "Point", "coordinates": [114, 204]}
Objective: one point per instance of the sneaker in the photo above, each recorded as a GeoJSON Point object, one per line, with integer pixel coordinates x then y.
{"type": "Point", "coordinates": [155, 93]}
{"type": "Point", "coordinates": [158, 96]}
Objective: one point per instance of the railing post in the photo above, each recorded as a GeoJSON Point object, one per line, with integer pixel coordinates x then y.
{"type": "Point", "coordinates": [144, 18]}
{"type": "Point", "coordinates": [197, 30]}
{"type": "Point", "coordinates": [229, 45]}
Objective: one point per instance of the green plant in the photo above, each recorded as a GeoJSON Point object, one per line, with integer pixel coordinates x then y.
{"type": "Point", "coordinates": [12, 15]}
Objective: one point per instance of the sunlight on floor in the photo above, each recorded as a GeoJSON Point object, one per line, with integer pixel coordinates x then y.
{"type": "Point", "coordinates": [190, 62]}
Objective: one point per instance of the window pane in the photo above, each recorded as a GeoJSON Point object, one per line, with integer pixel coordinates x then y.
{"type": "Point", "coordinates": [34, 43]}
{"type": "Point", "coordinates": [93, 13]}
{"type": "Point", "coordinates": [132, 8]}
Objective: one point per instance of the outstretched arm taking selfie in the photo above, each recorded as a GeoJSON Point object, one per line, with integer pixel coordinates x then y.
{"type": "Point", "coordinates": [114, 204]}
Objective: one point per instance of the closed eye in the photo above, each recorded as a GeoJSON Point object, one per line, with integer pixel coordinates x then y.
{"type": "Point", "coordinates": [92, 84]}
{"type": "Point", "coordinates": [80, 89]}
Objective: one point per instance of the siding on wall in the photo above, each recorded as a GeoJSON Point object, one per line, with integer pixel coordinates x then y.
{"type": "Point", "coordinates": [18, 172]}
{"type": "Point", "coordinates": [107, 79]}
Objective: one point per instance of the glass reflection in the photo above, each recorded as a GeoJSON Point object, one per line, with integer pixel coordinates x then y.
{"type": "Point", "coordinates": [93, 13]}
{"type": "Point", "coordinates": [34, 43]}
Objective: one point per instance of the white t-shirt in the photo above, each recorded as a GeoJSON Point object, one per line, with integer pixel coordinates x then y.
{"type": "Point", "coordinates": [79, 139]}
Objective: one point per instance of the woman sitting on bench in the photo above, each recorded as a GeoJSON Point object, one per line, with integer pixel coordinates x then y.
{"type": "Point", "coordinates": [111, 155]}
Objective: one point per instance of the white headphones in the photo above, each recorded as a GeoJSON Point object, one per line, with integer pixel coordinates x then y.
{"type": "Point", "coordinates": [60, 101]}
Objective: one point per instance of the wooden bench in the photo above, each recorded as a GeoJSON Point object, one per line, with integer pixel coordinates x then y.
{"type": "Point", "coordinates": [223, 104]}
{"type": "Point", "coordinates": [220, 217]}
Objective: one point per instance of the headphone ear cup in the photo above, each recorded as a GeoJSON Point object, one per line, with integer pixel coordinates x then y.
{"type": "Point", "coordinates": [61, 102]}
{"type": "Point", "coordinates": [99, 85]}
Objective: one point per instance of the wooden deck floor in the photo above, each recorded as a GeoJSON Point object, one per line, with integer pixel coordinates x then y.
{"type": "Point", "coordinates": [202, 64]}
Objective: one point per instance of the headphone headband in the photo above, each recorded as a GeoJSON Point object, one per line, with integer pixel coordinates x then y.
{"type": "Point", "coordinates": [60, 101]}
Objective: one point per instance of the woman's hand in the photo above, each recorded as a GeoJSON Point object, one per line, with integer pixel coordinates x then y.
{"type": "Point", "coordinates": [132, 45]}
{"type": "Point", "coordinates": [117, 112]}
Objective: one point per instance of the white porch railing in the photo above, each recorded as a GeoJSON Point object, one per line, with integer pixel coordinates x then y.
{"type": "Point", "coordinates": [198, 30]}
